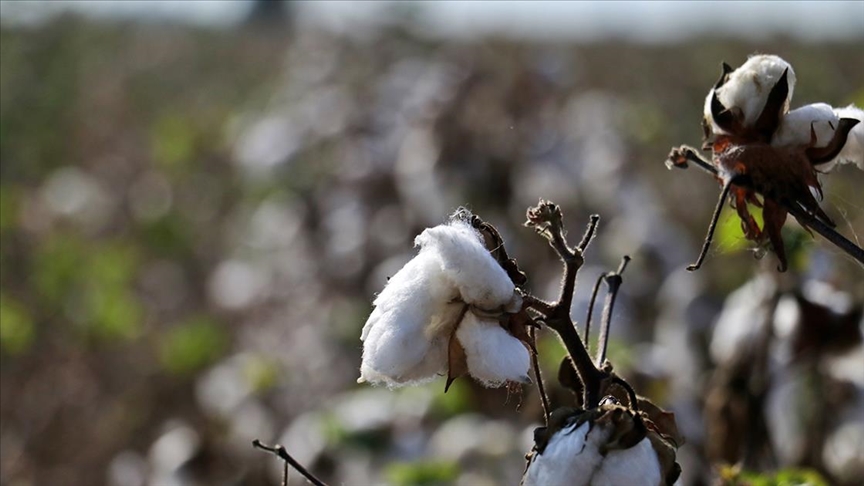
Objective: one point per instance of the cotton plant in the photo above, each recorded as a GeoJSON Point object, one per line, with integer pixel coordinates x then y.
{"type": "Point", "coordinates": [768, 155]}
{"type": "Point", "coordinates": [442, 313]}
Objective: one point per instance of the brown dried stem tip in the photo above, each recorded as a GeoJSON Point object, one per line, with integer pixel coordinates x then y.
{"type": "Point", "coordinates": [280, 452]}
{"type": "Point", "coordinates": [547, 220]}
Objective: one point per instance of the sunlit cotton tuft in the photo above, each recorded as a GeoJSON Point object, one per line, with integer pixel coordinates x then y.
{"type": "Point", "coordinates": [747, 88]}
{"type": "Point", "coordinates": [406, 338]}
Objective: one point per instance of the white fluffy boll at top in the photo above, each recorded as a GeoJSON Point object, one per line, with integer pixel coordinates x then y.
{"type": "Point", "coordinates": [468, 264]}
{"type": "Point", "coordinates": [406, 338]}
{"type": "Point", "coordinates": [573, 457]}
{"type": "Point", "coordinates": [747, 88]}
{"type": "Point", "coordinates": [494, 356]}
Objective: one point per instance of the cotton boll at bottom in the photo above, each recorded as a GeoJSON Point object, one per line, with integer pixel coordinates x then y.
{"type": "Point", "coordinates": [469, 265]}
{"type": "Point", "coordinates": [794, 129]}
{"type": "Point", "coordinates": [493, 355]}
{"type": "Point", "coordinates": [571, 457]}
{"type": "Point", "coordinates": [637, 465]}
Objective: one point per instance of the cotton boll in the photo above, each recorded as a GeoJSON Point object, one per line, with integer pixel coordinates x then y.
{"type": "Point", "coordinates": [794, 129]}
{"type": "Point", "coordinates": [571, 457]}
{"type": "Point", "coordinates": [747, 88]}
{"type": "Point", "coordinates": [634, 466]}
{"type": "Point", "coordinates": [398, 347]}
{"type": "Point", "coordinates": [469, 265]}
{"type": "Point", "coordinates": [493, 355]}
{"type": "Point", "coordinates": [853, 151]}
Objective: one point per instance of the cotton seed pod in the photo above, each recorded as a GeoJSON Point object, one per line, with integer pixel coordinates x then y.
{"type": "Point", "coordinates": [606, 446]}
{"type": "Point", "coordinates": [399, 344]}
{"type": "Point", "coordinates": [453, 283]}
{"type": "Point", "coordinates": [746, 89]}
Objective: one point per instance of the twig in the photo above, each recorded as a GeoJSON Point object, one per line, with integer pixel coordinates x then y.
{"type": "Point", "coordinates": [689, 154]}
{"type": "Point", "coordinates": [532, 333]}
{"type": "Point", "coordinates": [547, 220]}
{"type": "Point", "coordinates": [591, 310]}
{"type": "Point", "coordinates": [711, 227]}
{"type": "Point", "coordinates": [280, 452]}
{"type": "Point", "coordinates": [613, 281]}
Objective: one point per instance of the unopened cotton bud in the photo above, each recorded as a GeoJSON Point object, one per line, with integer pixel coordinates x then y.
{"type": "Point", "coordinates": [494, 356]}
{"type": "Point", "coordinates": [747, 88]}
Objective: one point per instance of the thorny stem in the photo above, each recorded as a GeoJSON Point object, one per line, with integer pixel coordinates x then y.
{"type": "Point", "coordinates": [613, 281]}
{"type": "Point", "coordinates": [711, 227]}
{"type": "Point", "coordinates": [691, 155]}
{"type": "Point", "coordinates": [591, 310]}
{"type": "Point", "coordinates": [532, 333]}
{"type": "Point", "coordinates": [280, 451]}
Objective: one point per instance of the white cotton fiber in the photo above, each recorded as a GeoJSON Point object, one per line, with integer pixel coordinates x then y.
{"type": "Point", "coordinates": [635, 466]}
{"type": "Point", "coordinates": [794, 129]}
{"type": "Point", "coordinates": [571, 457]}
{"type": "Point", "coordinates": [853, 151]}
{"type": "Point", "coordinates": [748, 87]}
{"type": "Point", "coordinates": [469, 265]}
{"type": "Point", "coordinates": [494, 356]}
{"type": "Point", "coordinates": [397, 347]}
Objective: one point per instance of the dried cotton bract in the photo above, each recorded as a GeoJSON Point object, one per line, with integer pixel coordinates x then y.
{"type": "Point", "coordinates": [445, 302]}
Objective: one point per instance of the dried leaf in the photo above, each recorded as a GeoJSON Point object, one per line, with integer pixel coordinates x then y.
{"type": "Point", "coordinates": [662, 422]}
{"type": "Point", "coordinates": [457, 361]}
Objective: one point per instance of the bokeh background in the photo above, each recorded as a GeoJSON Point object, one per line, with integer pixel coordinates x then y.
{"type": "Point", "coordinates": [200, 200]}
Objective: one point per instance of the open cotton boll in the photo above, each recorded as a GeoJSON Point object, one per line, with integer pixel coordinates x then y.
{"type": "Point", "coordinates": [469, 265]}
{"type": "Point", "coordinates": [853, 151]}
{"type": "Point", "coordinates": [493, 355]}
{"type": "Point", "coordinates": [398, 346]}
{"type": "Point", "coordinates": [571, 457]}
{"type": "Point", "coordinates": [747, 88]}
{"type": "Point", "coordinates": [637, 465]}
{"type": "Point", "coordinates": [794, 129]}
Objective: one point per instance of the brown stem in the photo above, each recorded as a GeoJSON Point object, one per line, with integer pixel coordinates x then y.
{"type": "Point", "coordinates": [613, 281]}
{"type": "Point", "coordinates": [593, 301]}
{"type": "Point", "coordinates": [689, 154]}
{"type": "Point", "coordinates": [711, 227]}
{"type": "Point", "coordinates": [280, 451]}
{"type": "Point", "coordinates": [544, 399]}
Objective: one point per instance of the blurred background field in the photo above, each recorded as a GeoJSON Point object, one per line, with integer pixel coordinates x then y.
{"type": "Point", "coordinates": [196, 210]}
